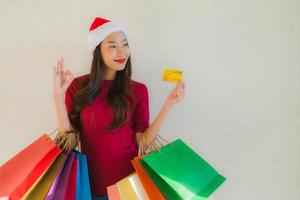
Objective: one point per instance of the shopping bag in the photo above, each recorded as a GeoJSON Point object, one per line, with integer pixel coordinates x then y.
{"type": "Point", "coordinates": [180, 173]}
{"type": "Point", "coordinates": [138, 187]}
{"type": "Point", "coordinates": [151, 189]}
{"type": "Point", "coordinates": [83, 189]}
{"type": "Point", "coordinates": [71, 188]}
{"type": "Point", "coordinates": [58, 189]}
{"type": "Point", "coordinates": [19, 173]}
{"type": "Point", "coordinates": [131, 188]}
{"type": "Point", "coordinates": [73, 179]}
{"type": "Point", "coordinates": [113, 193]}
{"type": "Point", "coordinates": [41, 187]}
{"type": "Point", "coordinates": [51, 192]}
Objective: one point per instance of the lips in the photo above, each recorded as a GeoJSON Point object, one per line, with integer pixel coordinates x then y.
{"type": "Point", "coordinates": [120, 61]}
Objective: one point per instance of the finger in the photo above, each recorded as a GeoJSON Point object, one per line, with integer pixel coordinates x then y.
{"type": "Point", "coordinates": [69, 74]}
{"type": "Point", "coordinates": [139, 152]}
{"type": "Point", "coordinates": [60, 65]}
{"type": "Point", "coordinates": [60, 70]}
{"type": "Point", "coordinates": [179, 90]}
{"type": "Point", "coordinates": [175, 89]}
{"type": "Point", "coordinates": [71, 78]}
{"type": "Point", "coordinates": [179, 83]}
{"type": "Point", "coordinates": [66, 75]}
{"type": "Point", "coordinates": [183, 84]}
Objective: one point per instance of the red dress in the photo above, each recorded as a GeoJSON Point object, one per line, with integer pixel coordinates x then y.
{"type": "Point", "coordinates": [109, 154]}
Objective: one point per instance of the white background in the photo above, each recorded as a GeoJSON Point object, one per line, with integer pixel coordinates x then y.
{"type": "Point", "coordinates": [241, 66]}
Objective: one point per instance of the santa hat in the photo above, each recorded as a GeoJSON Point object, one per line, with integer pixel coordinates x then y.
{"type": "Point", "coordinates": [100, 29]}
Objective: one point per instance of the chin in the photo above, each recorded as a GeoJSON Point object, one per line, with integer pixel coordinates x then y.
{"type": "Point", "coordinates": [120, 68]}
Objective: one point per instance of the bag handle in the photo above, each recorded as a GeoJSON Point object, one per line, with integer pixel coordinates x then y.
{"type": "Point", "coordinates": [155, 145]}
{"type": "Point", "coordinates": [64, 141]}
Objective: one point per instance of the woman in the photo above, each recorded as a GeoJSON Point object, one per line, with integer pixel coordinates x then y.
{"type": "Point", "coordinates": [107, 107]}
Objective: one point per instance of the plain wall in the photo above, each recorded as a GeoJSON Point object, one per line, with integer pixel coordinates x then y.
{"type": "Point", "coordinates": [241, 66]}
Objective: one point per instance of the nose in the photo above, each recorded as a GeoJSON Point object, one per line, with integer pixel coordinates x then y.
{"type": "Point", "coordinates": [122, 52]}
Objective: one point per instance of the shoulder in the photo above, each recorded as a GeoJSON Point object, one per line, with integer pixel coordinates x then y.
{"type": "Point", "coordinates": [138, 86]}
{"type": "Point", "coordinates": [140, 90]}
{"type": "Point", "coordinates": [80, 79]}
{"type": "Point", "coordinates": [77, 83]}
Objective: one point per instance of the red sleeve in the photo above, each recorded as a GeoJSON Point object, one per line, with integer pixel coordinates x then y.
{"type": "Point", "coordinates": [141, 116]}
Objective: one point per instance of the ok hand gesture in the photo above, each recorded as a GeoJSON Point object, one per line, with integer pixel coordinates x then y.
{"type": "Point", "coordinates": [61, 79]}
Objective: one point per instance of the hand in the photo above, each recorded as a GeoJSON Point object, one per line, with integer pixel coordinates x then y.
{"type": "Point", "coordinates": [143, 141]}
{"type": "Point", "coordinates": [177, 94]}
{"type": "Point", "coordinates": [61, 79]}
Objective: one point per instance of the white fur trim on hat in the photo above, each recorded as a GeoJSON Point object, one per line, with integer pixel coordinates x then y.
{"type": "Point", "coordinates": [96, 36]}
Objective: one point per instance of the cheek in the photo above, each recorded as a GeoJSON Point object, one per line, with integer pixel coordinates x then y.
{"type": "Point", "coordinates": [107, 55]}
{"type": "Point", "coordinates": [127, 53]}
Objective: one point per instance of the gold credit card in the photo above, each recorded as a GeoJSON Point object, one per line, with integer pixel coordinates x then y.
{"type": "Point", "coordinates": [172, 75]}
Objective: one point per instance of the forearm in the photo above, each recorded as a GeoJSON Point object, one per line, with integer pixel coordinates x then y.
{"type": "Point", "coordinates": [154, 128]}
{"type": "Point", "coordinates": [62, 118]}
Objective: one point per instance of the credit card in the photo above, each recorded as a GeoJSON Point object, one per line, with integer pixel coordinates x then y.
{"type": "Point", "coordinates": [172, 75]}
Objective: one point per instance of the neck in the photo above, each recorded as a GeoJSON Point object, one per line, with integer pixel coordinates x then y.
{"type": "Point", "coordinates": [109, 74]}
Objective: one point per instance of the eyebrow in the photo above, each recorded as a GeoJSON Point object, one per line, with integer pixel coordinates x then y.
{"type": "Point", "coordinates": [115, 42]}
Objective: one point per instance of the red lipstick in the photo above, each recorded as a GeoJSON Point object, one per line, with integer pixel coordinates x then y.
{"type": "Point", "coordinates": [121, 61]}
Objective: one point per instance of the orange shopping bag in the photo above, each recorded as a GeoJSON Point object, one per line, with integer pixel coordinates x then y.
{"type": "Point", "coordinates": [18, 174]}
{"type": "Point", "coordinates": [151, 189]}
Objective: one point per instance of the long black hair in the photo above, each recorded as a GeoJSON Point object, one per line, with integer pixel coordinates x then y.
{"type": "Point", "coordinates": [120, 96]}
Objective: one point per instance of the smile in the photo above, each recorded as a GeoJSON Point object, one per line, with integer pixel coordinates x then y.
{"type": "Point", "coordinates": [121, 61]}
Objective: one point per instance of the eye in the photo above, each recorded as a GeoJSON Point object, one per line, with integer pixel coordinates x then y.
{"type": "Point", "coordinates": [113, 46]}
{"type": "Point", "coordinates": [126, 44]}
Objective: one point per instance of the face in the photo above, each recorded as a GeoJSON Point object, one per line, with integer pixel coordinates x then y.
{"type": "Point", "coordinates": [115, 51]}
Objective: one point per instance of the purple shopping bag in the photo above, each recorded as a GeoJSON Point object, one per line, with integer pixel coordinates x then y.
{"type": "Point", "coordinates": [59, 186]}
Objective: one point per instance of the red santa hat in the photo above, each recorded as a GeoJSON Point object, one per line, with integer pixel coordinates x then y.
{"type": "Point", "coordinates": [100, 29]}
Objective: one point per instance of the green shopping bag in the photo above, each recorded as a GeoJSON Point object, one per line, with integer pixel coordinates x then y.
{"type": "Point", "coordinates": [180, 173]}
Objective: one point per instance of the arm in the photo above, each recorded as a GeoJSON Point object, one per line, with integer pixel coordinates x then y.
{"type": "Point", "coordinates": [61, 81]}
{"type": "Point", "coordinates": [151, 132]}
{"type": "Point", "coordinates": [62, 118]}
{"type": "Point", "coordinates": [146, 137]}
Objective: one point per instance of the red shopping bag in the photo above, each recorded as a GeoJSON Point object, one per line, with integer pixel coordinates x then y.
{"type": "Point", "coordinates": [18, 174]}
{"type": "Point", "coordinates": [71, 187]}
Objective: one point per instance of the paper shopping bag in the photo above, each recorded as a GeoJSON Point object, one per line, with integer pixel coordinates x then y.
{"type": "Point", "coordinates": [83, 189]}
{"type": "Point", "coordinates": [19, 173]}
{"type": "Point", "coordinates": [58, 189]}
{"type": "Point", "coordinates": [151, 189]}
{"type": "Point", "coordinates": [51, 192]}
{"type": "Point", "coordinates": [73, 179]}
{"type": "Point", "coordinates": [42, 185]}
{"type": "Point", "coordinates": [71, 188]}
{"type": "Point", "coordinates": [113, 193]}
{"type": "Point", "coordinates": [180, 173]}
{"type": "Point", "coordinates": [131, 188]}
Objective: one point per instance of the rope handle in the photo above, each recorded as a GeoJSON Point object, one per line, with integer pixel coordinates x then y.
{"type": "Point", "coordinates": [64, 140]}
{"type": "Point", "coordinates": [155, 145]}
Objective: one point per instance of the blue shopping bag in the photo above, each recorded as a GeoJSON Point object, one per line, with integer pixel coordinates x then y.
{"type": "Point", "coordinates": [83, 189]}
